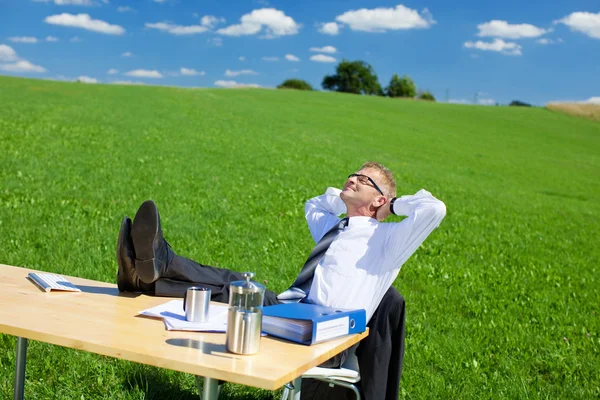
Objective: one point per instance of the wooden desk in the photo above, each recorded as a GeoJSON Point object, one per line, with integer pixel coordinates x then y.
{"type": "Point", "coordinates": [102, 320]}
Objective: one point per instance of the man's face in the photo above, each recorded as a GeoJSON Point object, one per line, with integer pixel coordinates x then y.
{"type": "Point", "coordinates": [359, 191]}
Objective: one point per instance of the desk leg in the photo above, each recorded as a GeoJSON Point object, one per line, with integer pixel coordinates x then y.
{"type": "Point", "coordinates": [295, 392]}
{"type": "Point", "coordinates": [210, 388]}
{"type": "Point", "coordinates": [20, 368]}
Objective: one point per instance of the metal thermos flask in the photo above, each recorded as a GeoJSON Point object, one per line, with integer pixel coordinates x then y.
{"type": "Point", "coordinates": [244, 321]}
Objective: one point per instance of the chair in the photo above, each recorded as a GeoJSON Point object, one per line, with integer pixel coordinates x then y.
{"type": "Point", "coordinates": [382, 374]}
{"type": "Point", "coordinates": [345, 376]}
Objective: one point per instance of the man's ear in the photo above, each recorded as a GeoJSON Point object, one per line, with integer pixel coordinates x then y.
{"type": "Point", "coordinates": [379, 201]}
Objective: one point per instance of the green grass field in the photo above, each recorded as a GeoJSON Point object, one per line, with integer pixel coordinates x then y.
{"type": "Point", "coordinates": [502, 299]}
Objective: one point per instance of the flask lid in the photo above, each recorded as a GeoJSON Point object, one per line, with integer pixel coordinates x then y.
{"type": "Point", "coordinates": [247, 286]}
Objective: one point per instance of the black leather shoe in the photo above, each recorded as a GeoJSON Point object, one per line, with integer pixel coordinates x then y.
{"type": "Point", "coordinates": [127, 278]}
{"type": "Point", "coordinates": [151, 249]}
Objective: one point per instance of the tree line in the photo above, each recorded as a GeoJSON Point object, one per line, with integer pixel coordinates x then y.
{"type": "Point", "coordinates": [359, 77]}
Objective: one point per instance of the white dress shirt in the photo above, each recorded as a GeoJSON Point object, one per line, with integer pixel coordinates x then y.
{"type": "Point", "coordinates": [365, 258]}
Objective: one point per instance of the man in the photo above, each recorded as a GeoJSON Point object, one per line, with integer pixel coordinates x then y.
{"type": "Point", "coordinates": [353, 265]}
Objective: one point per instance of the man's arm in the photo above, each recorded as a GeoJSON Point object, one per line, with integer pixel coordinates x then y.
{"type": "Point", "coordinates": [322, 212]}
{"type": "Point", "coordinates": [424, 213]}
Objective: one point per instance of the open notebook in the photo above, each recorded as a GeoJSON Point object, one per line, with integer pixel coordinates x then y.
{"type": "Point", "coordinates": [47, 282]}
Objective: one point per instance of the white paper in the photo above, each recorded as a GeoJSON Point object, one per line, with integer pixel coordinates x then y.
{"type": "Point", "coordinates": [173, 316]}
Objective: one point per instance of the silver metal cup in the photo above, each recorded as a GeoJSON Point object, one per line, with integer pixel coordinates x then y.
{"type": "Point", "coordinates": [243, 331]}
{"type": "Point", "coordinates": [195, 304]}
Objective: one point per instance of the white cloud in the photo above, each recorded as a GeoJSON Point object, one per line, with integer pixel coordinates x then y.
{"type": "Point", "coordinates": [270, 58]}
{"type": "Point", "coordinates": [215, 41]}
{"type": "Point", "coordinates": [502, 29]}
{"type": "Point", "coordinates": [458, 101]}
{"type": "Point", "coordinates": [234, 84]}
{"type": "Point", "coordinates": [127, 54]}
{"type": "Point", "coordinates": [112, 71]}
{"type": "Point", "coordinates": [275, 23]}
{"type": "Point", "coordinates": [330, 28]}
{"type": "Point", "coordinates": [546, 41]}
{"type": "Point", "coordinates": [177, 29]}
{"type": "Point", "coordinates": [383, 19]}
{"type": "Point", "coordinates": [242, 58]}
{"type": "Point", "coordinates": [31, 39]}
{"type": "Point", "coordinates": [190, 72]}
{"type": "Point", "coordinates": [291, 57]}
{"type": "Point", "coordinates": [22, 66]}
{"type": "Point", "coordinates": [68, 2]}
{"type": "Point", "coordinates": [84, 21]}
{"type": "Point", "coordinates": [73, 2]}
{"type": "Point", "coordinates": [7, 53]}
{"type": "Point", "coordinates": [322, 58]}
{"type": "Point", "coordinates": [231, 73]}
{"type": "Point", "coordinates": [144, 73]}
{"type": "Point", "coordinates": [210, 21]}
{"type": "Point", "coordinates": [128, 83]}
{"type": "Point", "coordinates": [584, 22]}
{"type": "Point", "coordinates": [123, 9]}
{"type": "Point", "coordinates": [486, 102]}
{"type": "Point", "coordinates": [324, 49]}
{"type": "Point", "coordinates": [593, 100]}
{"type": "Point", "coordinates": [23, 39]}
{"type": "Point", "coordinates": [75, 39]}
{"type": "Point", "coordinates": [499, 45]}
{"type": "Point", "coordinates": [87, 79]}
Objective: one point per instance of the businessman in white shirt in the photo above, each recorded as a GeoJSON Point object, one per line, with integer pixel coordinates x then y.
{"type": "Point", "coordinates": [354, 271]}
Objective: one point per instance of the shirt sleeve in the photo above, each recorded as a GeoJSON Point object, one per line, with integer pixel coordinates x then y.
{"type": "Point", "coordinates": [323, 211]}
{"type": "Point", "coordinates": [424, 212]}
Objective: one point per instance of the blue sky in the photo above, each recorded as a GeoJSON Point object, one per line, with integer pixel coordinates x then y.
{"type": "Point", "coordinates": [462, 51]}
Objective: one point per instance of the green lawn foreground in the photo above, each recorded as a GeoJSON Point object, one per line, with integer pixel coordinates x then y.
{"type": "Point", "coordinates": [502, 300]}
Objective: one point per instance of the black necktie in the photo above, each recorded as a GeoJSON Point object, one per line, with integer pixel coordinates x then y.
{"type": "Point", "coordinates": [301, 286]}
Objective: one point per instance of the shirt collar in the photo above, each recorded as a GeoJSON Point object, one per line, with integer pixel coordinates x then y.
{"type": "Point", "coordinates": [361, 221]}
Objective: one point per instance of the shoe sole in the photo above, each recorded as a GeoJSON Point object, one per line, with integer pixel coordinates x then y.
{"type": "Point", "coordinates": [143, 233]}
{"type": "Point", "coordinates": [125, 227]}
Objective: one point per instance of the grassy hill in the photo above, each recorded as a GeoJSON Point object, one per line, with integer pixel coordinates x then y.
{"type": "Point", "coordinates": [502, 299]}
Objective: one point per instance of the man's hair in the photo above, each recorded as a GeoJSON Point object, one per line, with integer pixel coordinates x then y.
{"type": "Point", "coordinates": [387, 184]}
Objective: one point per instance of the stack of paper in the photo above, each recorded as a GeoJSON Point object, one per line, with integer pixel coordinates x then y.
{"type": "Point", "coordinates": [297, 330]}
{"type": "Point", "coordinates": [173, 316]}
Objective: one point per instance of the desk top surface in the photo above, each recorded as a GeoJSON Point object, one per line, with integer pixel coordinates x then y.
{"type": "Point", "coordinates": [101, 320]}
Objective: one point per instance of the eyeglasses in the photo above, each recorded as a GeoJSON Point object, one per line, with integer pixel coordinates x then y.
{"type": "Point", "coordinates": [365, 180]}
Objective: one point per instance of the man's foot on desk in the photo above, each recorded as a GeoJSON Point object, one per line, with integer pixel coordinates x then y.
{"type": "Point", "coordinates": [127, 278]}
{"type": "Point", "coordinates": [151, 249]}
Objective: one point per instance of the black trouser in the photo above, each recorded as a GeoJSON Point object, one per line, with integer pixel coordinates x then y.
{"type": "Point", "coordinates": [182, 273]}
{"type": "Point", "coordinates": [380, 357]}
